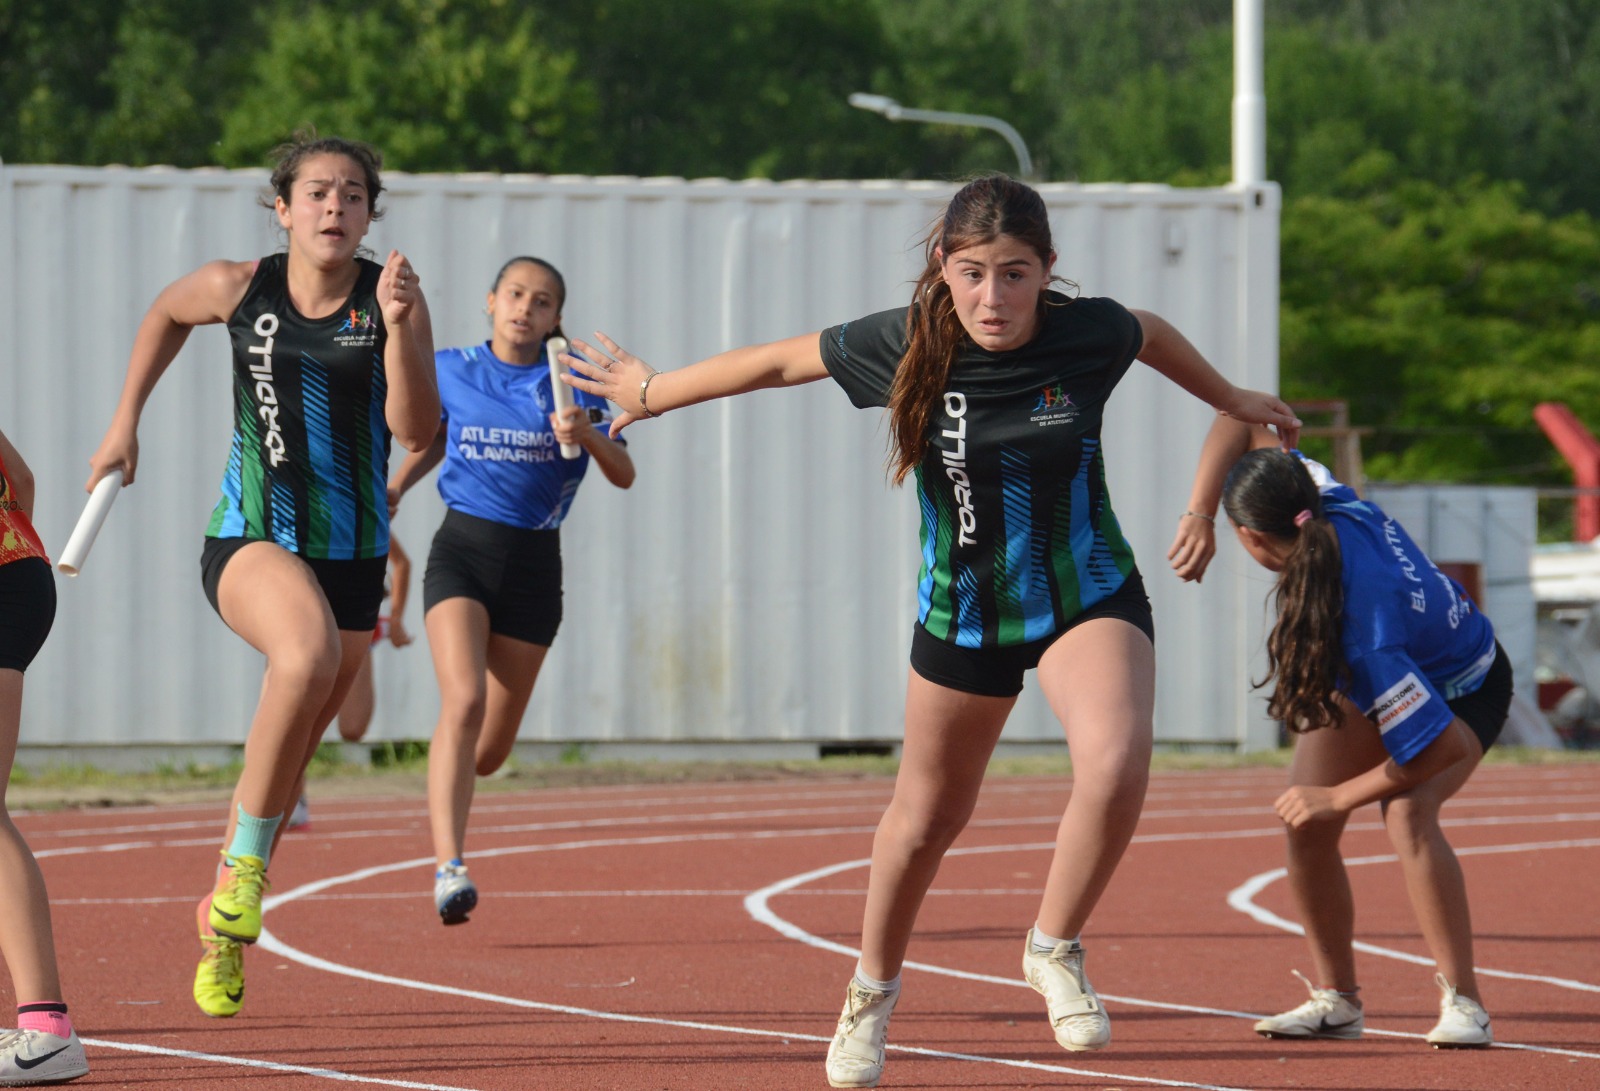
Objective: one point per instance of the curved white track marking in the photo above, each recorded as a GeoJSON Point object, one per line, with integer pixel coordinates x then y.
{"type": "Point", "coordinates": [271, 942]}
{"type": "Point", "coordinates": [272, 1066]}
{"type": "Point", "coordinates": [756, 904]}
{"type": "Point", "coordinates": [1242, 898]}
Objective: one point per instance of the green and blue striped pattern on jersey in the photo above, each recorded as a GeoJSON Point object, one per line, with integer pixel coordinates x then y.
{"type": "Point", "coordinates": [1100, 558]}
{"type": "Point", "coordinates": [330, 515]}
{"type": "Point", "coordinates": [1026, 608]}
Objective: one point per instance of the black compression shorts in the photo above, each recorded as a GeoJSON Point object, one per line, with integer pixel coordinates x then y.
{"type": "Point", "coordinates": [354, 589]}
{"type": "Point", "coordinates": [1485, 708]}
{"type": "Point", "coordinates": [27, 610]}
{"type": "Point", "coordinates": [997, 672]}
{"type": "Point", "coordinates": [514, 572]}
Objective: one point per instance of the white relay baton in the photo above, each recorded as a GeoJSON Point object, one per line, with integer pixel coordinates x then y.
{"type": "Point", "coordinates": [559, 390]}
{"type": "Point", "coordinates": [94, 514]}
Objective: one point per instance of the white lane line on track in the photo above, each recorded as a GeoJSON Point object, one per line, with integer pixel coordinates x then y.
{"type": "Point", "coordinates": [270, 942]}
{"type": "Point", "coordinates": [271, 1066]}
{"type": "Point", "coordinates": [757, 905]}
{"type": "Point", "coordinates": [408, 896]}
{"type": "Point", "coordinates": [736, 816]}
{"type": "Point", "coordinates": [1242, 898]}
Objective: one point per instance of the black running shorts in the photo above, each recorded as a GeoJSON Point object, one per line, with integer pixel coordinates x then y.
{"type": "Point", "coordinates": [997, 672]}
{"type": "Point", "coordinates": [354, 589]}
{"type": "Point", "coordinates": [513, 571]}
{"type": "Point", "coordinates": [1485, 708]}
{"type": "Point", "coordinates": [27, 610]}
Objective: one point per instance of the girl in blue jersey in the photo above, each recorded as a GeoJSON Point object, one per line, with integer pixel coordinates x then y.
{"type": "Point", "coordinates": [1373, 641]}
{"type": "Point", "coordinates": [491, 591]}
{"type": "Point", "coordinates": [995, 386]}
{"type": "Point", "coordinates": [332, 355]}
{"type": "Point", "coordinates": [43, 1048]}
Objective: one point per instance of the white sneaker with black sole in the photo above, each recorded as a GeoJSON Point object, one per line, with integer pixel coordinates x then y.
{"type": "Point", "coordinates": [36, 1056]}
{"type": "Point", "coordinates": [855, 1056]}
{"type": "Point", "coordinates": [454, 895]}
{"type": "Point", "coordinates": [1463, 1024]}
{"type": "Point", "coordinates": [1076, 1016]}
{"type": "Point", "coordinates": [1328, 1014]}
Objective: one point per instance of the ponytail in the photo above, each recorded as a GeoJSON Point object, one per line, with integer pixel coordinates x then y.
{"type": "Point", "coordinates": [1271, 492]}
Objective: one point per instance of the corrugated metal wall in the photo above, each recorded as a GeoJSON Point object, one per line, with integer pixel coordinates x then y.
{"type": "Point", "coordinates": [755, 584]}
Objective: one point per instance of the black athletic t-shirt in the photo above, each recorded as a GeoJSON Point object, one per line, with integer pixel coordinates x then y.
{"type": "Point", "coordinates": [1018, 535]}
{"type": "Point", "coordinates": [310, 458]}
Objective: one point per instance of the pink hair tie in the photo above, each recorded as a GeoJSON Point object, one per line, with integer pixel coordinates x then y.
{"type": "Point", "coordinates": [1303, 518]}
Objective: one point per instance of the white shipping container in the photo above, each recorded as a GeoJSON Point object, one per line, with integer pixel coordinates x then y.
{"type": "Point", "coordinates": [755, 586]}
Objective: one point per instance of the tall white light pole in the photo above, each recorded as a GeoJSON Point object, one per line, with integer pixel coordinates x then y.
{"type": "Point", "coordinates": [1249, 94]}
{"type": "Point", "coordinates": [889, 108]}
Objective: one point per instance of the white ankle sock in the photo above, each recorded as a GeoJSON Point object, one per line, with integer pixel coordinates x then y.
{"type": "Point", "coordinates": [873, 983]}
{"type": "Point", "coordinates": [1044, 944]}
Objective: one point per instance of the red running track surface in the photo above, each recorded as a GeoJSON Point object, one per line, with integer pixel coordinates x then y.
{"type": "Point", "coordinates": [700, 936]}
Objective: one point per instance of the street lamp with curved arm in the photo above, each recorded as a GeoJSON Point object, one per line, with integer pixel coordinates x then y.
{"type": "Point", "coordinates": [889, 108]}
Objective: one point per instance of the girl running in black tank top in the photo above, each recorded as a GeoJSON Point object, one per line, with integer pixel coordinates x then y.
{"type": "Point", "coordinates": [333, 354]}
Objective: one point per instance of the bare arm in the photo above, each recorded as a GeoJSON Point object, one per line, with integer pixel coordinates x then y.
{"type": "Point", "coordinates": [1196, 540]}
{"type": "Point", "coordinates": [208, 295]}
{"type": "Point", "coordinates": [612, 457]}
{"type": "Point", "coordinates": [617, 374]}
{"type": "Point", "coordinates": [1302, 803]}
{"type": "Point", "coordinates": [21, 476]}
{"type": "Point", "coordinates": [399, 592]}
{"type": "Point", "coordinates": [1170, 353]}
{"type": "Point", "coordinates": [411, 408]}
{"type": "Point", "coordinates": [416, 465]}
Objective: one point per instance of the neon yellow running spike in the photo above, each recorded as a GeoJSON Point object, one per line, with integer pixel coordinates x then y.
{"type": "Point", "coordinates": [236, 903]}
{"type": "Point", "coordinates": [219, 979]}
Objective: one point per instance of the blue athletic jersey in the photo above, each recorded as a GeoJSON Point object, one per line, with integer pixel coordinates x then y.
{"type": "Point", "coordinates": [1412, 637]}
{"type": "Point", "coordinates": [502, 461]}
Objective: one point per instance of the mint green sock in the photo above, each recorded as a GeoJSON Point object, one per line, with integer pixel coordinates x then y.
{"type": "Point", "coordinates": [252, 836]}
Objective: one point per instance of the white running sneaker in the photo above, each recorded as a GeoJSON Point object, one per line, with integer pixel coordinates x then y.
{"type": "Point", "coordinates": [34, 1056]}
{"type": "Point", "coordinates": [1080, 1022]}
{"type": "Point", "coordinates": [454, 895]}
{"type": "Point", "coordinates": [300, 817]}
{"type": "Point", "coordinates": [855, 1056]}
{"type": "Point", "coordinates": [1463, 1024]}
{"type": "Point", "coordinates": [1326, 1015]}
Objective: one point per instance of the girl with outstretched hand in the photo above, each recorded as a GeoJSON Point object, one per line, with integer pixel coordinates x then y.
{"type": "Point", "coordinates": [995, 385]}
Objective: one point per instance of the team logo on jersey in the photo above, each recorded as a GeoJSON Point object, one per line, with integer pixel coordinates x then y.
{"type": "Point", "coordinates": [1053, 407]}
{"type": "Point", "coordinates": [358, 320]}
{"type": "Point", "coordinates": [359, 328]}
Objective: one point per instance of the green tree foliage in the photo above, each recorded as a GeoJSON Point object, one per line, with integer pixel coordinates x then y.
{"type": "Point", "coordinates": [478, 88]}
{"type": "Point", "coordinates": [1444, 314]}
{"type": "Point", "coordinates": [1440, 158]}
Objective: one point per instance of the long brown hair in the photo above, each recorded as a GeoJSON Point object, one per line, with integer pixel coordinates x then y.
{"type": "Point", "coordinates": [1271, 491]}
{"type": "Point", "coordinates": [983, 210]}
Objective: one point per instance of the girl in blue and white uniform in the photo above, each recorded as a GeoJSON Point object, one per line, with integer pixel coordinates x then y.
{"type": "Point", "coordinates": [1373, 640]}
{"type": "Point", "coordinates": [491, 591]}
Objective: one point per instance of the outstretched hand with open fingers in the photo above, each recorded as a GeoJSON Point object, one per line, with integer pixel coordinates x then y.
{"type": "Point", "coordinates": [614, 373]}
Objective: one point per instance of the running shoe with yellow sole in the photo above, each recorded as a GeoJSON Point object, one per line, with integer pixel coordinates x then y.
{"type": "Point", "coordinates": [236, 903]}
{"type": "Point", "coordinates": [219, 979]}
